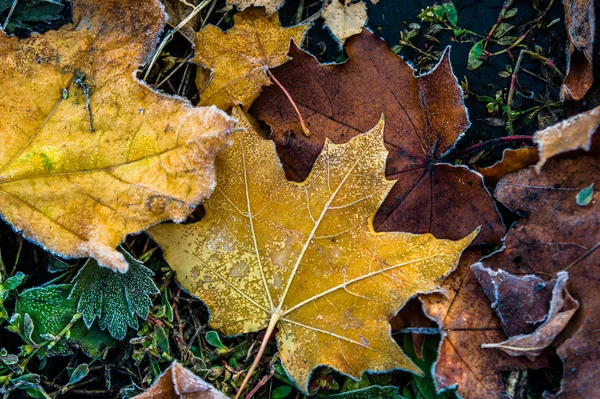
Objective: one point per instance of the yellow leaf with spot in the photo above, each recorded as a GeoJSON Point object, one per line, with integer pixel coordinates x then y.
{"type": "Point", "coordinates": [87, 153]}
{"type": "Point", "coordinates": [305, 257]}
{"type": "Point", "coordinates": [239, 58]}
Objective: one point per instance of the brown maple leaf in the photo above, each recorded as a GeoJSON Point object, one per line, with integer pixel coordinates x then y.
{"type": "Point", "coordinates": [425, 116]}
{"type": "Point", "coordinates": [558, 234]}
{"type": "Point", "coordinates": [466, 321]}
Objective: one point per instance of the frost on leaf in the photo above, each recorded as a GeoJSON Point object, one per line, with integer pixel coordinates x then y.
{"type": "Point", "coordinates": [88, 154]}
{"type": "Point", "coordinates": [116, 299]}
{"type": "Point", "coordinates": [239, 58]}
{"type": "Point", "coordinates": [305, 255]}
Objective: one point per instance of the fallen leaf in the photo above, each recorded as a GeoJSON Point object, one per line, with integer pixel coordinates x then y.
{"type": "Point", "coordinates": [575, 133]}
{"type": "Point", "coordinates": [116, 299]}
{"type": "Point", "coordinates": [344, 19]}
{"type": "Point", "coordinates": [558, 235]}
{"type": "Point", "coordinates": [240, 57]}
{"type": "Point", "coordinates": [562, 308]}
{"type": "Point", "coordinates": [512, 160]}
{"type": "Point", "coordinates": [89, 154]}
{"type": "Point", "coordinates": [177, 382]}
{"type": "Point", "coordinates": [425, 117]}
{"type": "Point", "coordinates": [521, 302]}
{"type": "Point", "coordinates": [304, 256]}
{"type": "Point", "coordinates": [580, 22]}
{"type": "Point", "coordinates": [271, 6]}
{"type": "Point", "coordinates": [467, 321]}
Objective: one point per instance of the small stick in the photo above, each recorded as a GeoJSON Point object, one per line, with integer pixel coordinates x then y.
{"type": "Point", "coordinates": [291, 100]}
{"type": "Point", "coordinates": [270, 328]}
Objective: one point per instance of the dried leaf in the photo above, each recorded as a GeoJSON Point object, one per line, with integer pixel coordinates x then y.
{"type": "Point", "coordinates": [521, 302]}
{"type": "Point", "coordinates": [305, 256]}
{"type": "Point", "coordinates": [178, 10]}
{"type": "Point", "coordinates": [270, 5]}
{"type": "Point", "coordinates": [512, 160]}
{"type": "Point", "coordinates": [240, 57]}
{"type": "Point", "coordinates": [562, 308]}
{"type": "Point", "coordinates": [466, 321]}
{"type": "Point", "coordinates": [560, 235]}
{"type": "Point", "coordinates": [572, 134]}
{"type": "Point", "coordinates": [88, 154]}
{"type": "Point", "coordinates": [580, 21]}
{"type": "Point", "coordinates": [425, 115]}
{"type": "Point", "coordinates": [177, 382]}
{"type": "Point", "coordinates": [344, 19]}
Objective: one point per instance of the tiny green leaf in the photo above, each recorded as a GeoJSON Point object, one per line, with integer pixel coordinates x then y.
{"type": "Point", "coordinates": [281, 392]}
{"type": "Point", "coordinates": [584, 197]}
{"type": "Point", "coordinates": [511, 13]}
{"type": "Point", "coordinates": [475, 59]}
{"type": "Point", "coordinates": [212, 337]}
{"type": "Point", "coordinates": [451, 13]}
{"type": "Point", "coordinates": [79, 373]}
{"type": "Point", "coordinates": [116, 299]}
{"type": "Point", "coordinates": [13, 282]}
{"type": "Point", "coordinates": [161, 339]}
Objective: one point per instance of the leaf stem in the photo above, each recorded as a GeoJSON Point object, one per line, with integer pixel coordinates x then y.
{"type": "Point", "coordinates": [291, 100]}
{"type": "Point", "coordinates": [270, 328]}
{"type": "Point", "coordinates": [475, 147]}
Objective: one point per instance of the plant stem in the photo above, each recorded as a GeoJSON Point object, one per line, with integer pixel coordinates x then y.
{"type": "Point", "coordinates": [507, 4]}
{"type": "Point", "coordinates": [291, 100]}
{"type": "Point", "coordinates": [270, 328]}
{"type": "Point", "coordinates": [475, 147]}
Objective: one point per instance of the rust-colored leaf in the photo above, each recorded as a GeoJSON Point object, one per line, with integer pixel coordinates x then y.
{"type": "Point", "coordinates": [88, 154]}
{"type": "Point", "coordinates": [177, 382]}
{"type": "Point", "coordinates": [572, 134]}
{"type": "Point", "coordinates": [425, 116]}
{"type": "Point", "coordinates": [558, 234]}
{"type": "Point", "coordinates": [240, 57]}
{"type": "Point", "coordinates": [512, 160]}
{"type": "Point", "coordinates": [467, 321]}
{"type": "Point", "coordinates": [580, 21]}
{"type": "Point", "coordinates": [304, 256]}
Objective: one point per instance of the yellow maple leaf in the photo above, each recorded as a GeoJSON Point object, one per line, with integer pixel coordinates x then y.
{"type": "Point", "coordinates": [305, 257]}
{"type": "Point", "coordinates": [240, 58]}
{"type": "Point", "coordinates": [87, 153]}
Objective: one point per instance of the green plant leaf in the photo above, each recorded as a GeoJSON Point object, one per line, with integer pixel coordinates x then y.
{"type": "Point", "coordinates": [50, 310]}
{"type": "Point", "coordinates": [475, 54]}
{"type": "Point", "coordinates": [79, 373]}
{"type": "Point", "coordinates": [451, 13]}
{"type": "Point", "coordinates": [116, 299]}
{"type": "Point", "coordinates": [161, 339]}
{"type": "Point", "coordinates": [281, 392]}
{"type": "Point", "coordinates": [511, 13]}
{"type": "Point", "coordinates": [212, 337]}
{"type": "Point", "coordinates": [584, 197]}
{"type": "Point", "coordinates": [13, 282]}
{"type": "Point", "coordinates": [369, 393]}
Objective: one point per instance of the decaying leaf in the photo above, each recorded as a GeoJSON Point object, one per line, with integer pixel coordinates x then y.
{"type": "Point", "coordinates": [116, 299]}
{"type": "Point", "coordinates": [467, 321]}
{"type": "Point", "coordinates": [524, 299]}
{"type": "Point", "coordinates": [344, 19]}
{"type": "Point", "coordinates": [559, 235]}
{"type": "Point", "coordinates": [178, 10]}
{"type": "Point", "coordinates": [240, 57]}
{"type": "Point", "coordinates": [521, 302]}
{"type": "Point", "coordinates": [425, 117]}
{"type": "Point", "coordinates": [270, 5]}
{"type": "Point", "coordinates": [512, 160]}
{"type": "Point", "coordinates": [88, 154]}
{"type": "Point", "coordinates": [571, 134]}
{"type": "Point", "coordinates": [580, 21]}
{"type": "Point", "coordinates": [304, 256]}
{"type": "Point", "coordinates": [177, 382]}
